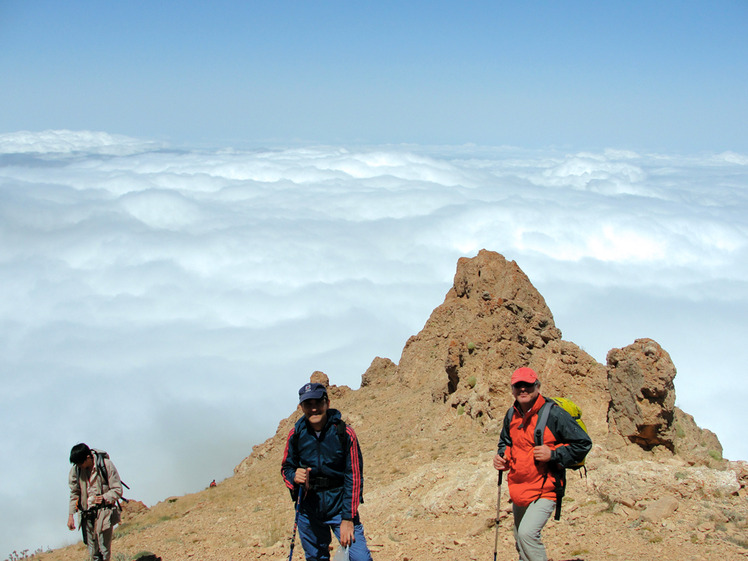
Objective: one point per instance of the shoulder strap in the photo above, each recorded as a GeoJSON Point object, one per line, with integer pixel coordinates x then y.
{"type": "Point", "coordinates": [295, 440]}
{"type": "Point", "coordinates": [559, 474]}
{"type": "Point", "coordinates": [342, 433]}
{"type": "Point", "coordinates": [101, 467]}
{"type": "Point", "coordinates": [545, 410]}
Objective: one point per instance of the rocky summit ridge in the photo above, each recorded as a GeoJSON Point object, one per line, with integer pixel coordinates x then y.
{"type": "Point", "coordinates": [657, 486]}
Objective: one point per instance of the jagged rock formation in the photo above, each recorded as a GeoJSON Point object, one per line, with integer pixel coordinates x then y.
{"type": "Point", "coordinates": [428, 426]}
{"type": "Point", "coordinates": [642, 404]}
{"type": "Point", "coordinates": [493, 321]}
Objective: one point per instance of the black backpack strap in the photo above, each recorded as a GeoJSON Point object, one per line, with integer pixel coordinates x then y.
{"type": "Point", "coordinates": [294, 442]}
{"type": "Point", "coordinates": [559, 484]}
{"type": "Point", "coordinates": [559, 473]}
{"type": "Point", "coordinates": [342, 434]}
{"type": "Point", "coordinates": [545, 410]}
{"type": "Point", "coordinates": [101, 467]}
{"type": "Point", "coordinates": [293, 450]}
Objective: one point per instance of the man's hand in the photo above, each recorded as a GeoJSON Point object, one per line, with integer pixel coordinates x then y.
{"type": "Point", "coordinates": [499, 462]}
{"type": "Point", "coordinates": [542, 453]}
{"type": "Point", "coordinates": [346, 533]}
{"type": "Point", "coordinates": [301, 477]}
{"type": "Point", "coordinates": [71, 522]}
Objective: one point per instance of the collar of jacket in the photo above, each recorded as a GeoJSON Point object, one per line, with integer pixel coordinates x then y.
{"type": "Point", "coordinates": [533, 410]}
{"type": "Point", "coordinates": [333, 415]}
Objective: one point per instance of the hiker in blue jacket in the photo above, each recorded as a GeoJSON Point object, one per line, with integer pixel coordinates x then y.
{"type": "Point", "coordinates": [322, 460]}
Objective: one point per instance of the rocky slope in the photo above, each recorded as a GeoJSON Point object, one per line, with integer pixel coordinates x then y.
{"type": "Point", "coordinates": [657, 486]}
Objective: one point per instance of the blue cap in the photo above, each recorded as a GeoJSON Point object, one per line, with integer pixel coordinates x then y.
{"type": "Point", "coordinates": [312, 391]}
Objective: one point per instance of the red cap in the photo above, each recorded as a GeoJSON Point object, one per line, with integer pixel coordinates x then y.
{"type": "Point", "coordinates": [524, 374]}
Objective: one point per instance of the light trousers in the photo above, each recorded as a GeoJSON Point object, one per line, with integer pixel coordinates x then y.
{"type": "Point", "coordinates": [99, 545]}
{"type": "Point", "coordinates": [528, 522]}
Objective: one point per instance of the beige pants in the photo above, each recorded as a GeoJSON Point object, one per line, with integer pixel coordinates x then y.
{"type": "Point", "coordinates": [99, 545]}
{"type": "Point", "coordinates": [528, 522]}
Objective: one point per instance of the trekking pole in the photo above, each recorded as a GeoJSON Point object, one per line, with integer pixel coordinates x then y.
{"type": "Point", "coordinates": [498, 510]}
{"type": "Point", "coordinates": [295, 522]}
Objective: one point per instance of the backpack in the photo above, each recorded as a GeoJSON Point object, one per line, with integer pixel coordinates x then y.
{"type": "Point", "coordinates": [101, 468]}
{"type": "Point", "coordinates": [559, 472]}
{"type": "Point", "coordinates": [572, 409]}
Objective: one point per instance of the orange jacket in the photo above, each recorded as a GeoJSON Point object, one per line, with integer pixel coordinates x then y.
{"type": "Point", "coordinates": [529, 480]}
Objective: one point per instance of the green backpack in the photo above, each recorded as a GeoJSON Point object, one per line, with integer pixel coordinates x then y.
{"type": "Point", "coordinates": [572, 409]}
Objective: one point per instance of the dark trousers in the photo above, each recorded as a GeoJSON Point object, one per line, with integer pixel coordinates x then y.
{"type": "Point", "coordinates": [315, 535]}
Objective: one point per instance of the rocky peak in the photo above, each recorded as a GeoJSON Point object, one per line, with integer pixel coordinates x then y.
{"type": "Point", "coordinates": [642, 394]}
{"type": "Point", "coordinates": [492, 321]}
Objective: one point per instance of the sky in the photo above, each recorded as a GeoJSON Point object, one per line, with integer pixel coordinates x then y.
{"type": "Point", "coordinates": [201, 204]}
{"type": "Point", "coordinates": [642, 75]}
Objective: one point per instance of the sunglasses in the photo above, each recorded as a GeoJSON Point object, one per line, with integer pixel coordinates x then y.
{"type": "Point", "coordinates": [523, 386]}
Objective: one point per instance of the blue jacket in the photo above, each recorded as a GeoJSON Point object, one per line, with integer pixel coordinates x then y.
{"type": "Point", "coordinates": [337, 476]}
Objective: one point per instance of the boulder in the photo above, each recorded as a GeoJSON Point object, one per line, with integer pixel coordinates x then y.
{"type": "Point", "coordinates": [642, 394]}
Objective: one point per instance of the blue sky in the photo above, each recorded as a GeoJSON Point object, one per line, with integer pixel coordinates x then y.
{"type": "Point", "coordinates": [584, 75]}
{"type": "Point", "coordinates": [243, 193]}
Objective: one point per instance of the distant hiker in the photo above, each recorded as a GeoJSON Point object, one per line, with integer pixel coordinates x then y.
{"type": "Point", "coordinates": [213, 483]}
{"type": "Point", "coordinates": [322, 460]}
{"type": "Point", "coordinates": [95, 489]}
{"type": "Point", "coordinates": [536, 472]}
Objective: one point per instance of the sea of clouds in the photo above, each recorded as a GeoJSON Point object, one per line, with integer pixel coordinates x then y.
{"type": "Point", "coordinates": [165, 304]}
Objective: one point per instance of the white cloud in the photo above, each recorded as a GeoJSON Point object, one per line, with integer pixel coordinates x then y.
{"type": "Point", "coordinates": [163, 289]}
{"type": "Point", "coordinates": [161, 209]}
{"type": "Point", "coordinates": [70, 142]}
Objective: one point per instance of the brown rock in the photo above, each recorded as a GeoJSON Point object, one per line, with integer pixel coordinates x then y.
{"type": "Point", "coordinates": [694, 444]}
{"type": "Point", "coordinates": [640, 381]}
{"type": "Point", "coordinates": [381, 371]}
{"type": "Point", "coordinates": [660, 509]}
{"type": "Point", "coordinates": [491, 322]}
{"type": "Point", "coordinates": [318, 377]}
{"type": "Point", "coordinates": [130, 508]}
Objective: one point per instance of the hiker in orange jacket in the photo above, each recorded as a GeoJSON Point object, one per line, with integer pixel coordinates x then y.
{"type": "Point", "coordinates": [533, 469]}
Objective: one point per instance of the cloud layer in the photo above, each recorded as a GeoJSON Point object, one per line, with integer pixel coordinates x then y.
{"type": "Point", "coordinates": [165, 304]}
